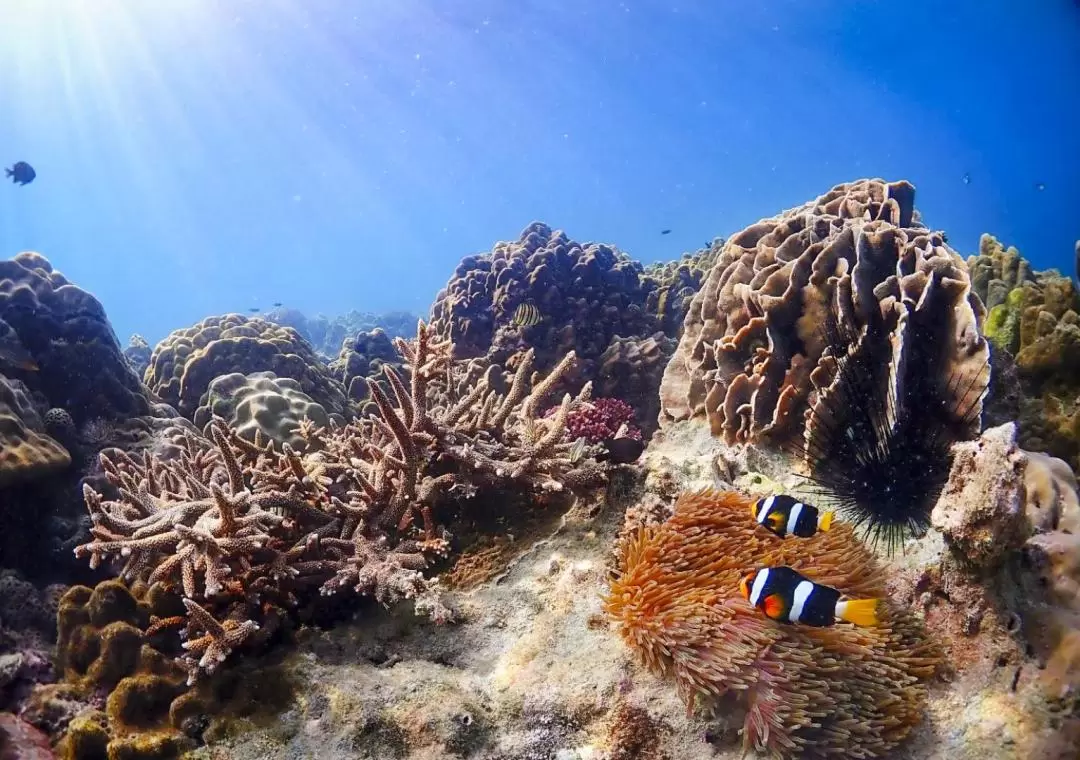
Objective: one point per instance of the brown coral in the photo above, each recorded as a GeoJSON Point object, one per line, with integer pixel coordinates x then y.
{"type": "Point", "coordinates": [248, 533]}
{"type": "Point", "coordinates": [26, 451]}
{"type": "Point", "coordinates": [754, 347]}
{"type": "Point", "coordinates": [184, 364]}
{"type": "Point", "coordinates": [585, 294]}
{"type": "Point", "coordinates": [808, 692]}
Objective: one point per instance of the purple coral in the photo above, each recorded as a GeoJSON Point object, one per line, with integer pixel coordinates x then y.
{"type": "Point", "coordinates": [600, 420]}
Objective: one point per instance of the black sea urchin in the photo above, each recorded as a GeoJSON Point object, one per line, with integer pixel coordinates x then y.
{"type": "Point", "coordinates": [878, 439]}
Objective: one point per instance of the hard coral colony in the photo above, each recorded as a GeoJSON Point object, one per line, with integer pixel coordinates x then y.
{"type": "Point", "coordinates": [247, 533]}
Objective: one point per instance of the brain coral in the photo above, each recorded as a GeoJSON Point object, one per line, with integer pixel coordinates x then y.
{"type": "Point", "coordinates": [584, 293]}
{"type": "Point", "coordinates": [840, 691]}
{"type": "Point", "coordinates": [26, 452]}
{"type": "Point", "coordinates": [81, 367]}
{"type": "Point", "coordinates": [262, 407]}
{"type": "Point", "coordinates": [185, 363]}
{"type": "Point", "coordinates": [754, 346]}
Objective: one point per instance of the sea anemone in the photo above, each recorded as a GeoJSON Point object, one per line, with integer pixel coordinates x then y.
{"type": "Point", "coordinates": [840, 691]}
{"type": "Point", "coordinates": [878, 438]}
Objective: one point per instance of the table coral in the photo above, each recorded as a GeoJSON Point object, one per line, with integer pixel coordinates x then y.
{"type": "Point", "coordinates": [753, 349]}
{"type": "Point", "coordinates": [808, 692]}
{"type": "Point", "coordinates": [184, 364]}
{"type": "Point", "coordinates": [249, 533]}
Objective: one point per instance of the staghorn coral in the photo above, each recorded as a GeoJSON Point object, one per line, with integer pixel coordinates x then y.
{"type": "Point", "coordinates": [808, 692]}
{"type": "Point", "coordinates": [754, 348]}
{"type": "Point", "coordinates": [26, 451]}
{"type": "Point", "coordinates": [262, 409]}
{"type": "Point", "coordinates": [185, 363]}
{"type": "Point", "coordinates": [80, 366]}
{"type": "Point", "coordinates": [585, 293]}
{"type": "Point", "coordinates": [248, 534]}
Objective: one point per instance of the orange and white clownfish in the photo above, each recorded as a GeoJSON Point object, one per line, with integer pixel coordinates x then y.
{"type": "Point", "coordinates": [787, 596]}
{"type": "Point", "coordinates": [785, 514]}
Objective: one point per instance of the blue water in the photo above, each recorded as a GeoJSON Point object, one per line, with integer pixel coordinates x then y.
{"type": "Point", "coordinates": [198, 157]}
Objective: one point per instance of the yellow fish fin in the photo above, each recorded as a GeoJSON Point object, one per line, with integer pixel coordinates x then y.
{"type": "Point", "coordinates": [825, 521]}
{"type": "Point", "coordinates": [860, 611]}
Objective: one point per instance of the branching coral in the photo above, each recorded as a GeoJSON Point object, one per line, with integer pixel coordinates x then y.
{"type": "Point", "coordinates": [808, 692]}
{"type": "Point", "coordinates": [247, 531]}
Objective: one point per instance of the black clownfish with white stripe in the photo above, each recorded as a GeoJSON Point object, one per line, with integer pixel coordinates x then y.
{"type": "Point", "coordinates": [785, 514]}
{"type": "Point", "coordinates": [787, 596]}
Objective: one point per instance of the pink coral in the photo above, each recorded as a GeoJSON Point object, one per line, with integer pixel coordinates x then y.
{"type": "Point", "coordinates": [600, 420]}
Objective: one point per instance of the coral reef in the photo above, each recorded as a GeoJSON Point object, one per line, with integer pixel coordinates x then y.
{"type": "Point", "coordinates": [753, 348]}
{"type": "Point", "coordinates": [631, 369]}
{"type": "Point", "coordinates": [249, 534]}
{"type": "Point", "coordinates": [807, 692]}
{"type": "Point", "coordinates": [263, 409]}
{"type": "Point", "coordinates": [600, 420]}
{"type": "Point", "coordinates": [676, 283]}
{"type": "Point", "coordinates": [80, 366]}
{"type": "Point", "coordinates": [586, 294]}
{"type": "Point", "coordinates": [1034, 317]}
{"type": "Point", "coordinates": [26, 451]}
{"type": "Point", "coordinates": [362, 357]}
{"type": "Point", "coordinates": [326, 335]}
{"type": "Point", "coordinates": [137, 354]}
{"type": "Point", "coordinates": [185, 363]}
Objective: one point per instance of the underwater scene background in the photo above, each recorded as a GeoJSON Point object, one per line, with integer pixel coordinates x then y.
{"type": "Point", "coordinates": [539, 380]}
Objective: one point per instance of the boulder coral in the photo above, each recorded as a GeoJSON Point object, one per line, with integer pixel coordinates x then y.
{"type": "Point", "coordinates": [80, 366]}
{"type": "Point", "coordinates": [807, 692]}
{"type": "Point", "coordinates": [184, 364]}
{"type": "Point", "coordinates": [585, 293]}
{"type": "Point", "coordinates": [754, 349]}
{"type": "Point", "coordinates": [262, 409]}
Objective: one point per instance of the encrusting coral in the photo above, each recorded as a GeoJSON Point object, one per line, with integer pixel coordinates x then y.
{"type": "Point", "coordinates": [248, 533]}
{"type": "Point", "coordinates": [808, 692]}
{"type": "Point", "coordinates": [753, 351]}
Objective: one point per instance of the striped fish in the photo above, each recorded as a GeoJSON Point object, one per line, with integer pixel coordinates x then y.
{"type": "Point", "coordinates": [526, 315]}
{"type": "Point", "coordinates": [787, 596]}
{"type": "Point", "coordinates": [785, 515]}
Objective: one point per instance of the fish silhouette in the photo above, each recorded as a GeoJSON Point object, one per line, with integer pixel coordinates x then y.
{"type": "Point", "coordinates": [21, 173]}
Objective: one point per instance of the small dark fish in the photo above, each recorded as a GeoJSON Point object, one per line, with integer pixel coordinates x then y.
{"type": "Point", "coordinates": [277, 304]}
{"type": "Point", "coordinates": [526, 315]}
{"type": "Point", "coordinates": [12, 351]}
{"type": "Point", "coordinates": [1040, 186]}
{"type": "Point", "coordinates": [787, 596]}
{"type": "Point", "coordinates": [254, 309]}
{"type": "Point", "coordinates": [665, 232]}
{"type": "Point", "coordinates": [966, 179]}
{"type": "Point", "coordinates": [785, 515]}
{"type": "Point", "coordinates": [621, 450]}
{"type": "Point", "coordinates": [21, 173]}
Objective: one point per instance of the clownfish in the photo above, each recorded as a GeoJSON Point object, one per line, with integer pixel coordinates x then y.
{"type": "Point", "coordinates": [787, 596]}
{"type": "Point", "coordinates": [785, 514]}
